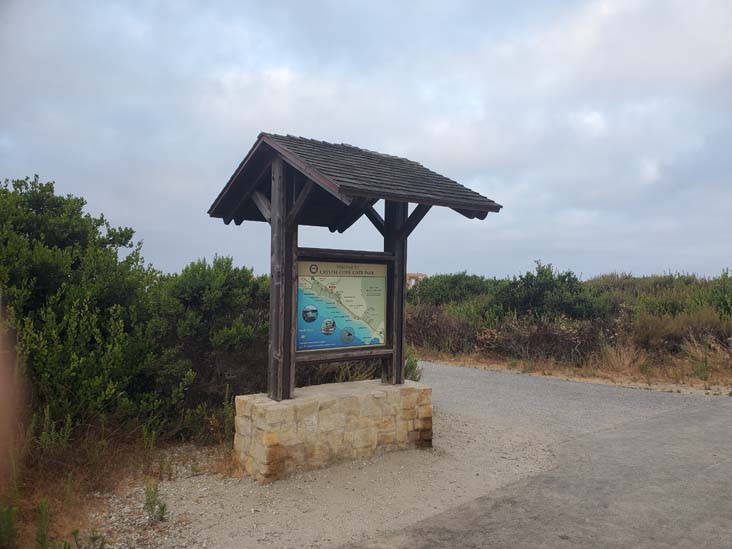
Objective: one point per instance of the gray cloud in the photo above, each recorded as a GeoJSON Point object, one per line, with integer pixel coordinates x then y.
{"type": "Point", "coordinates": [602, 127]}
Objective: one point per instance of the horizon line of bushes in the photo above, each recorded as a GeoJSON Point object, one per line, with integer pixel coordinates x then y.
{"type": "Point", "coordinates": [552, 314]}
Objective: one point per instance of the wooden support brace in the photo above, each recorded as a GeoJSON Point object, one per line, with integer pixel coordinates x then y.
{"type": "Point", "coordinates": [414, 218]}
{"type": "Point", "coordinates": [246, 196]}
{"type": "Point", "coordinates": [263, 205]}
{"type": "Point", "coordinates": [375, 218]}
{"type": "Point", "coordinates": [302, 198]}
{"type": "Point", "coordinates": [352, 215]}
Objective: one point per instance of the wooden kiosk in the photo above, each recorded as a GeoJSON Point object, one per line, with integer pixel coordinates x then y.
{"type": "Point", "coordinates": [290, 181]}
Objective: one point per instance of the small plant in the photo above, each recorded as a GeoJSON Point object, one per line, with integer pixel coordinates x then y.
{"type": "Point", "coordinates": [68, 492]}
{"type": "Point", "coordinates": [528, 367]}
{"type": "Point", "coordinates": [227, 409]}
{"type": "Point", "coordinates": [52, 438]}
{"type": "Point", "coordinates": [43, 521]}
{"type": "Point", "coordinates": [8, 530]}
{"type": "Point", "coordinates": [149, 442]}
{"type": "Point", "coordinates": [165, 467]}
{"type": "Point", "coordinates": [156, 509]}
{"type": "Point", "coordinates": [13, 491]}
{"type": "Point", "coordinates": [94, 541]}
{"type": "Point", "coordinates": [411, 365]}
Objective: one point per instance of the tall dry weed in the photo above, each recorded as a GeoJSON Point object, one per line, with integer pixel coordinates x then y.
{"type": "Point", "coordinates": [620, 358]}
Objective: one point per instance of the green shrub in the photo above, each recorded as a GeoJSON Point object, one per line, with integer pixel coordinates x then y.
{"type": "Point", "coordinates": [156, 510]}
{"type": "Point", "coordinates": [212, 319]}
{"type": "Point", "coordinates": [78, 308]}
{"type": "Point", "coordinates": [559, 338]}
{"type": "Point", "coordinates": [8, 528]}
{"type": "Point", "coordinates": [432, 327]}
{"type": "Point", "coordinates": [447, 288]}
{"type": "Point", "coordinates": [412, 370]}
{"type": "Point", "coordinates": [43, 522]}
{"type": "Point", "coordinates": [666, 333]}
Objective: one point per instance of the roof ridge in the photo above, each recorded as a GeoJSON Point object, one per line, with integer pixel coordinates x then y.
{"type": "Point", "coordinates": [347, 145]}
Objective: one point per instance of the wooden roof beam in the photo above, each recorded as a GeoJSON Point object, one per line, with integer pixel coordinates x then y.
{"type": "Point", "coordinates": [471, 214]}
{"type": "Point", "coordinates": [414, 218]}
{"type": "Point", "coordinates": [299, 204]}
{"type": "Point", "coordinates": [352, 215]}
{"type": "Point", "coordinates": [246, 196]}
{"type": "Point", "coordinates": [375, 218]}
{"type": "Point", "coordinates": [265, 208]}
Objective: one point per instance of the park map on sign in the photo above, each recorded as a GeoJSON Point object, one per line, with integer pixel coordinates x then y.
{"type": "Point", "coordinates": [340, 305]}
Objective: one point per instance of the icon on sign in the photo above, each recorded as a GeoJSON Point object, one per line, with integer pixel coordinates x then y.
{"type": "Point", "coordinates": [309, 313]}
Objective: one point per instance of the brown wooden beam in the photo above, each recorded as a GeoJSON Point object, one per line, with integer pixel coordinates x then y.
{"type": "Point", "coordinates": [395, 219]}
{"type": "Point", "coordinates": [339, 355]}
{"type": "Point", "coordinates": [376, 220]}
{"type": "Point", "coordinates": [264, 206]}
{"type": "Point", "coordinates": [353, 214]}
{"type": "Point", "coordinates": [283, 287]}
{"type": "Point", "coordinates": [302, 198]}
{"type": "Point", "coordinates": [246, 196]}
{"type": "Point", "coordinates": [414, 218]}
{"type": "Point", "coordinates": [471, 214]}
{"type": "Point", "coordinates": [329, 254]}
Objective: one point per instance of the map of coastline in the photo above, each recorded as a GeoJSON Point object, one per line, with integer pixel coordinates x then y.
{"type": "Point", "coordinates": [340, 305]}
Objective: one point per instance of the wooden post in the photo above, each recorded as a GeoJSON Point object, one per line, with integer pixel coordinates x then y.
{"type": "Point", "coordinates": [395, 241]}
{"type": "Point", "coordinates": [283, 286]}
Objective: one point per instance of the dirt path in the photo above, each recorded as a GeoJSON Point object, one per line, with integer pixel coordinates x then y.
{"type": "Point", "coordinates": [491, 429]}
{"type": "Point", "coordinates": [342, 504]}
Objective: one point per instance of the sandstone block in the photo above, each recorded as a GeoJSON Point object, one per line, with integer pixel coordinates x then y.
{"type": "Point", "coordinates": [409, 399]}
{"type": "Point", "coordinates": [364, 438]}
{"type": "Point", "coordinates": [408, 413]}
{"type": "Point", "coordinates": [424, 424]}
{"type": "Point", "coordinates": [424, 396]}
{"type": "Point", "coordinates": [243, 405]}
{"type": "Point", "coordinates": [243, 425]}
{"type": "Point", "coordinates": [424, 411]}
{"type": "Point", "coordinates": [349, 405]}
{"type": "Point", "coordinates": [329, 420]}
{"type": "Point", "coordinates": [306, 409]}
{"type": "Point", "coordinates": [387, 423]}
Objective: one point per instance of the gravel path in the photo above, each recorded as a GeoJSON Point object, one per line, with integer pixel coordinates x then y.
{"type": "Point", "coordinates": [491, 429]}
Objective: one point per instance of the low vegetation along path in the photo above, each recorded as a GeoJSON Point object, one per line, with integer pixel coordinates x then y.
{"type": "Point", "coordinates": [631, 468]}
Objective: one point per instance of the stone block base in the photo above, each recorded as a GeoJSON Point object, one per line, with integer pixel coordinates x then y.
{"type": "Point", "coordinates": [328, 423]}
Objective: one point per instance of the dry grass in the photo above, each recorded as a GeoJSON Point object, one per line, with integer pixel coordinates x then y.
{"type": "Point", "coordinates": [69, 482]}
{"type": "Point", "coordinates": [624, 365]}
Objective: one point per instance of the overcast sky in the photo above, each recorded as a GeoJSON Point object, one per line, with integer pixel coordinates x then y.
{"type": "Point", "coordinates": [604, 128]}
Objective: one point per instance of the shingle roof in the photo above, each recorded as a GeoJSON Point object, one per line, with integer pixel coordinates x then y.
{"type": "Point", "coordinates": [349, 180]}
{"type": "Point", "coordinates": [360, 172]}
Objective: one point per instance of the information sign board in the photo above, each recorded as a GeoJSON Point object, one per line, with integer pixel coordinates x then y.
{"type": "Point", "coordinates": [340, 305]}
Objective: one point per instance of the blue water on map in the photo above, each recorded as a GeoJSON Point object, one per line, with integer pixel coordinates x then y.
{"type": "Point", "coordinates": [321, 334]}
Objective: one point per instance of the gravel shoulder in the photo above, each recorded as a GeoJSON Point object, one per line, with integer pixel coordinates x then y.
{"type": "Point", "coordinates": [491, 429]}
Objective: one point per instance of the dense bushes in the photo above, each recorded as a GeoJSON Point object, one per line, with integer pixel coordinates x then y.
{"type": "Point", "coordinates": [78, 308]}
{"type": "Point", "coordinates": [547, 314]}
{"type": "Point", "coordinates": [105, 338]}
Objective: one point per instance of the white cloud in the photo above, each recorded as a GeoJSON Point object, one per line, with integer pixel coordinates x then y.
{"type": "Point", "coordinates": [588, 121]}
{"type": "Point", "coordinates": [556, 112]}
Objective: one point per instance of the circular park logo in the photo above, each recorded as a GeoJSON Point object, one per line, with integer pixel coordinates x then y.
{"type": "Point", "coordinates": [313, 269]}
